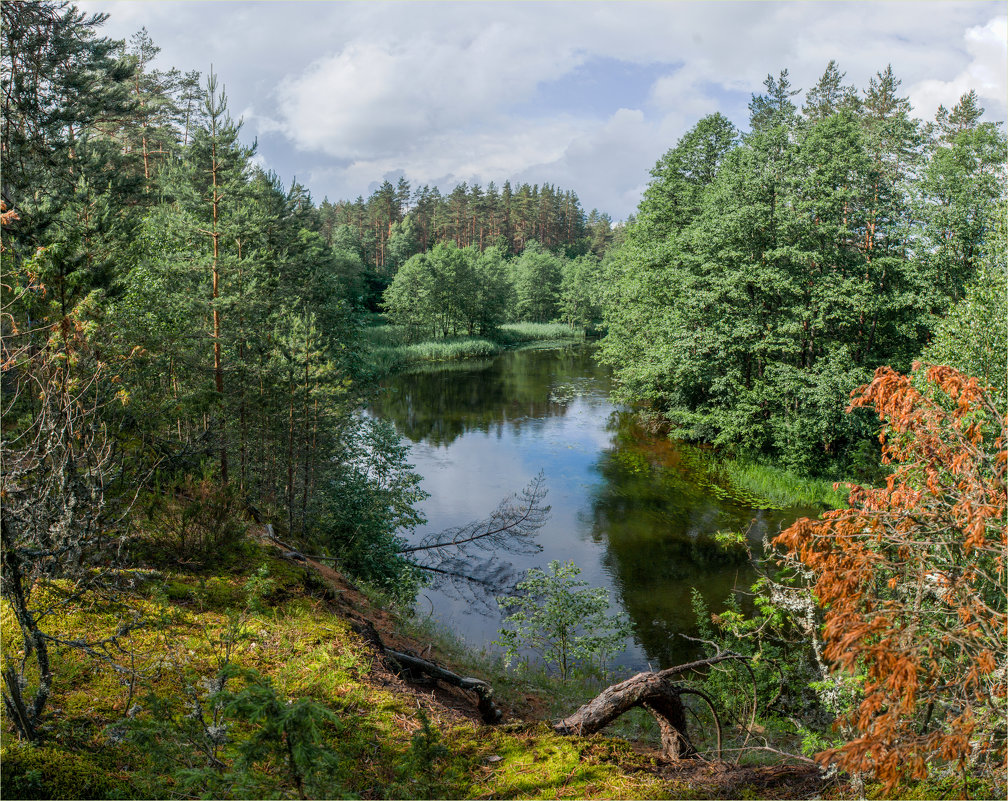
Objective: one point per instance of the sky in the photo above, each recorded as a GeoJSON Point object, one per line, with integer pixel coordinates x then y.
{"type": "Point", "coordinates": [585, 96]}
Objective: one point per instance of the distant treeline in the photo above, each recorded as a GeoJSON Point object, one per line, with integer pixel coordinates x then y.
{"type": "Point", "coordinates": [395, 223]}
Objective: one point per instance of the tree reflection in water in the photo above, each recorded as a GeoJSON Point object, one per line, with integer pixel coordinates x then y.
{"type": "Point", "coordinates": [637, 513]}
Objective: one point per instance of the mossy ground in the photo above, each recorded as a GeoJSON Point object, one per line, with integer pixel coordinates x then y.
{"type": "Point", "coordinates": [300, 637]}
{"type": "Point", "coordinates": [296, 624]}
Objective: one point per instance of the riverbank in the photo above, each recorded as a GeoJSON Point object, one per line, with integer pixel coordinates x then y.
{"type": "Point", "coordinates": [389, 351]}
{"type": "Point", "coordinates": [769, 487]}
{"type": "Point", "coordinates": [754, 483]}
{"type": "Point", "coordinates": [278, 632]}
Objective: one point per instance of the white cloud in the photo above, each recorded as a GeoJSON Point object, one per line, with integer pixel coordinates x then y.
{"type": "Point", "coordinates": [986, 72]}
{"type": "Point", "coordinates": [373, 98]}
{"type": "Point", "coordinates": [477, 155]}
{"type": "Point", "coordinates": [346, 93]}
{"type": "Point", "coordinates": [618, 152]}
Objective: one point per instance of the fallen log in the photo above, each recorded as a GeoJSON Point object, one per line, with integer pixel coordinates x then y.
{"type": "Point", "coordinates": [413, 666]}
{"type": "Point", "coordinates": [484, 692]}
{"type": "Point", "coordinates": [655, 693]}
{"type": "Point", "coordinates": [650, 691]}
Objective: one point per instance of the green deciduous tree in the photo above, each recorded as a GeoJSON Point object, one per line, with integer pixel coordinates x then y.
{"type": "Point", "coordinates": [959, 189]}
{"type": "Point", "coordinates": [450, 290]}
{"type": "Point", "coordinates": [973, 337]}
{"type": "Point", "coordinates": [560, 618]}
{"type": "Point", "coordinates": [581, 287]}
{"type": "Point", "coordinates": [766, 277]}
{"type": "Point", "coordinates": [673, 199]}
{"type": "Point", "coordinates": [536, 275]}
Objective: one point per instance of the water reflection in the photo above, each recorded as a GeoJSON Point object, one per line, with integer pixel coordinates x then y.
{"type": "Point", "coordinates": [438, 405]}
{"type": "Point", "coordinates": [655, 514]}
{"type": "Point", "coordinates": [634, 512]}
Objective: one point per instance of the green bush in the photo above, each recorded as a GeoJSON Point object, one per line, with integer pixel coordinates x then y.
{"type": "Point", "coordinates": [196, 522]}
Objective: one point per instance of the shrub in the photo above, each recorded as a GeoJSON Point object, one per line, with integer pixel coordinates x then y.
{"type": "Point", "coordinates": [563, 620]}
{"type": "Point", "coordinates": [201, 526]}
{"type": "Point", "coordinates": [911, 581]}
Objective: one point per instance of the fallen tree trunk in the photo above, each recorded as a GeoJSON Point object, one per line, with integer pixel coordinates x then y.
{"type": "Point", "coordinates": [413, 666]}
{"type": "Point", "coordinates": [484, 692]}
{"type": "Point", "coordinates": [649, 691]}
{"type": "Point", "coordinates": [653, 692]}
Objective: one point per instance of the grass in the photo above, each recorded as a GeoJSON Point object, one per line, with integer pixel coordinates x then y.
{"type": "Point", "coordinates": [773, 487]}
{"type": "Point", "coordinates": [390, 351]}
{"type": "Point", "coordinates": [758, 484]}
{"type": "Point", "coordinates": [520, 333]}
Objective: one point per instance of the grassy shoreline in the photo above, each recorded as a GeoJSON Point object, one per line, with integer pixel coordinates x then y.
{"type": "Point", "coordinates": [389, 352]}
{"type": "Point", "coordinates": [776, 488]}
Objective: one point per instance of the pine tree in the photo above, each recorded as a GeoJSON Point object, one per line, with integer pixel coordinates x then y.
{"type": "Point", "coordinates": [829, 95]}
{"type": "Point", "coordinates": [959, 189]}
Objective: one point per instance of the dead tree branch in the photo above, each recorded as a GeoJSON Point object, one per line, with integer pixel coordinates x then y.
{"type": "Point", "coordinates": [411, 666]}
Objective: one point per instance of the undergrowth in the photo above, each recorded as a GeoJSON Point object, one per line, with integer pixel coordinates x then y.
{"type": "Point", "coordinates": [249, 683]}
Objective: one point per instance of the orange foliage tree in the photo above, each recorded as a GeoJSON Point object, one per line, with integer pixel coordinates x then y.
{"type": "Point", "coordinates": [912, 584]}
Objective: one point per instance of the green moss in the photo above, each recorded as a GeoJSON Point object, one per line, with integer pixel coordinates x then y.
{"type": "Point", "coordinates": [306, 649]}
{"type": "Point", "coordinates": [219, 593]}
{"type": "Point", "coordinates": [935, 789]}
{"type": "Point", "coordinates": [287, 576]}
{"type": "Point", "coordinates": [49, 772]}
{"type": "Point", "coordinates": [541, 764]}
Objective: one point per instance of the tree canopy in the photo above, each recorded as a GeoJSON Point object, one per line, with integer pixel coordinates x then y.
{"type": "Point", "coordinates": [769, 273]}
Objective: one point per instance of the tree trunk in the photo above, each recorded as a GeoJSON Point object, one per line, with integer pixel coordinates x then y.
{"type": "Point", "coordinates": [218, 369]}
{"type": "Point", "coordinates": [411, 666]}
{"type": "Point", "coordinates": [290, 452]}
{"type": "Point", "coordinates": [650, 691]}
{"type": "Point", "coordinates": [304, 431]}
{"type": "Point", "coordinates": [23, 713]}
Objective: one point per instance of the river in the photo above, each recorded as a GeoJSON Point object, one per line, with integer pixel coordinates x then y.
{"type": "Point", "coordinates": [635, 512]}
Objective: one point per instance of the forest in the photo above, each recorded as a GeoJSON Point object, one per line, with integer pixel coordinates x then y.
{"type": "Point", "coordinates": [770, 272]}
{"type": "Point", "coordinates": [188, 344]}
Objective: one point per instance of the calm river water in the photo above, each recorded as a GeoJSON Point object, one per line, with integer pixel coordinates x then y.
{"type": "Point", "coordinates": [634, 512]}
